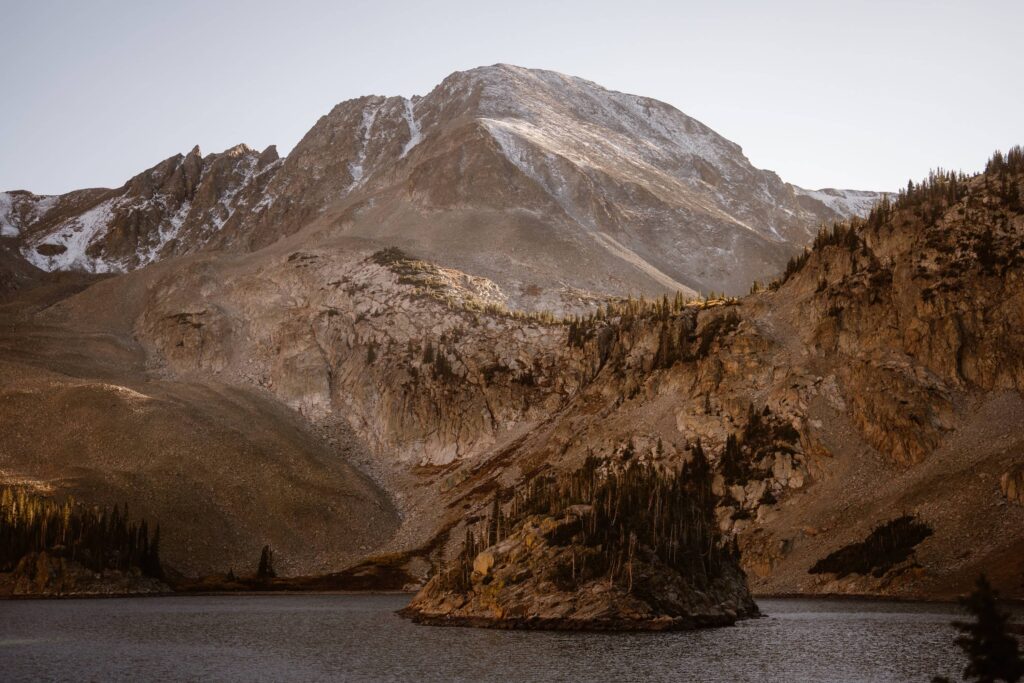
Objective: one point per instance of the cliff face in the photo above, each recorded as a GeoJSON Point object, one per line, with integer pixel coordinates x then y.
{"type": "Point", "coordinates": [549, 185]}
{"type": "Point", "coordinates": [526, 581]}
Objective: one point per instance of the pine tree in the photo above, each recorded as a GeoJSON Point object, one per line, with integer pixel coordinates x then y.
{"type": "Point", "coordinates": [494, 521]}
{"type": "Point", "coordinates": [152, 562]}
{"type": "Point", "coordinates": [993, 652]}
{"type": "Point", "coordinates": [266, 566]}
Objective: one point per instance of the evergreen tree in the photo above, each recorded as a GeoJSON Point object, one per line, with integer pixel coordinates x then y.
{"type": "Point", "coordinates": [733, 467]}
{"type": "Point", "coordinates": [152, 564]}
{"type": "Point", "coordinates": [494, 521]}
{"type": "Point", "coordinates": [993, 652]}
{"type": "Point", "coordinates": [266, 566]}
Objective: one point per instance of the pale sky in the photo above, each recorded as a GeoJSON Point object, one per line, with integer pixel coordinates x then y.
{"type": "Point", "coordinates": [826, 93]}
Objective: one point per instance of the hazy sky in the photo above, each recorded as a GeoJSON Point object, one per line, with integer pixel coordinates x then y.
{"type": "Point", "coordinates": [826, 93]}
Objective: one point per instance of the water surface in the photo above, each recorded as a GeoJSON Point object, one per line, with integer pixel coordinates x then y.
{"type": "Point", "coordinates": [358, 637]}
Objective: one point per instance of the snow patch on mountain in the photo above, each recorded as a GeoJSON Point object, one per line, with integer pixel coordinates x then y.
{"type": "Point", "coordinates": [65, 247]}
{"type": "Point", "coordinates": [641, 129]}
{"type": "Point", "coordinates": [514, 138]}
{"type": "Point", "coordinates": [225, 205]}
{"type": "Point", "coordinates": [43, 205]}
{"type": "Point", "coordinates": [14, 214]}
{"type": "Point", "coordinates": [167, 231]}
{"type": "Point", "coordinates": [415, 134]}
{"type": "Point", "coordinates": [845, 202]}
{"type": "Point", "coordinates": [356, 168]}
{"type": "Point", "coordinates": [7, 226]}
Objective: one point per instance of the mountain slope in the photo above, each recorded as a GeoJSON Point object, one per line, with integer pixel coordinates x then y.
{"type": "Point", "coordinates": [545, 183]}
{"type": "Point", "coordinates": [882, 377]}
{"type": "Point", "coordinates": [224, 469]}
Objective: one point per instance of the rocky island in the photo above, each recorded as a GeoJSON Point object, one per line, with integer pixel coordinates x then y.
{"type": "Point", "coordinates": [612, 546]}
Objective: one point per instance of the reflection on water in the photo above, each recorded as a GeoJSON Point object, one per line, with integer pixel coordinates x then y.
{"type": "Point", "coordinates": [358, 637]}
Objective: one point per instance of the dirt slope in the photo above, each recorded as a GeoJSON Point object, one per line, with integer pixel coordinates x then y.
{"type": "Point", "coordinates": [224, 469]}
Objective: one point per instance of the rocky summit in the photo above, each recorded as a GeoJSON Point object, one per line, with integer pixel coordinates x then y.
{"type": "Point", "coordinates": [551, 186]}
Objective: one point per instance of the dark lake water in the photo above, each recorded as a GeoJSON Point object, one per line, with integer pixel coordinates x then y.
{"type": "Point", "coordinates": [358, 637]}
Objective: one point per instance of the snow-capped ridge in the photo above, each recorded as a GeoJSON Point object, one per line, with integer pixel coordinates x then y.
{"type": "Point", "coordinates": [845, 202]}
{"type": "Point", "coordinates": [175, 207]}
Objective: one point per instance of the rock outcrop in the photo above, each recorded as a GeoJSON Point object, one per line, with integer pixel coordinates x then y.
{"type": "Point", "coordinates": [42, 575]}
{"type": "Point", "coordinates": [514, 585]}
{"type": "Point", "coordinates": [1011, 484]}
{"type": "Point", "coordinates": [640, 554]}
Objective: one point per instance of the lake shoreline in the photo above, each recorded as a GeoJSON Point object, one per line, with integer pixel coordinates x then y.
{"type": "Point", "coordinates": [841, 597]}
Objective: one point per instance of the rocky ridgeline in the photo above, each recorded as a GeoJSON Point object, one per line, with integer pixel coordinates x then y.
{"type": "Point", "coordinates": [176, 207]}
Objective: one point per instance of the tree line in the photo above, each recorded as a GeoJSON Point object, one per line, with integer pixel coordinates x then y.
{"type": "Point", "coordinates": [97, 538]}
{"type": "Point", "coordinates": [927, 200]}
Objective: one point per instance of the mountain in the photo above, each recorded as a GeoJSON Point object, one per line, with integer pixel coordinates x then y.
{"type": "Point", "coordinates": [294, 367]}
{"type": "Point", "coordinates": [175, 207]}
{"type": "Point", "coordinates": [357, 407]}
{"type": "Point", "coordinates": [549, 185]}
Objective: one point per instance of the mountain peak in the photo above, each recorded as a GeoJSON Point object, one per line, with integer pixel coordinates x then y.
{"type": "Point", "coordinates": [585, 188]}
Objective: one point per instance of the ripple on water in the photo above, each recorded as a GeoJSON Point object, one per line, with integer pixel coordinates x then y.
{"type": "Point", "coordinates": [358, 637]}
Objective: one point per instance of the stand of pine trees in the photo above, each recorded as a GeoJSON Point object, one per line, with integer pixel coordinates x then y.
{"type": "Point", "coordinates": [631, 504]}
{"type": "Point", "coordinates": [928, 200]}
{"type": "Point", "coordinates": [97, 538]}
{"type": "Point", "coordinates": [886, 546]}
